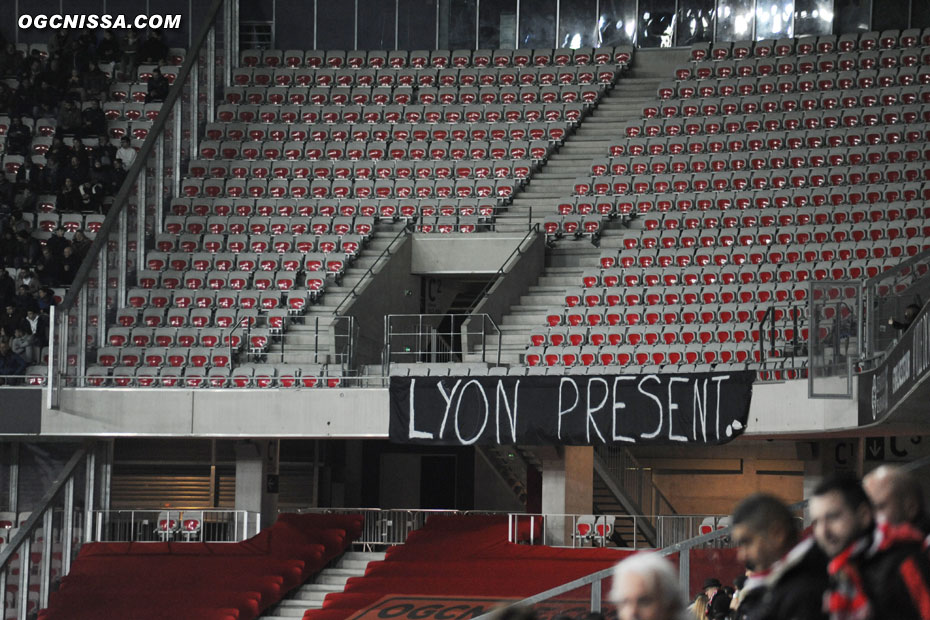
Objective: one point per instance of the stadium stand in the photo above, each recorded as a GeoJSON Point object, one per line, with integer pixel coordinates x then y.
{"type": "Point", "coordinates": [763, 166]}
{"type": "Point", "coordinates": [303, 166]}
{"type": "Point", "coordinates": [218, 580]}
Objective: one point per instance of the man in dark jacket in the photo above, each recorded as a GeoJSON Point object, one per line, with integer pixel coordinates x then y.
{"type": "Point", "coordinates": [789, 577]}
{"type": "Point", "coordinates": [876, 572]}
{"type": "Point", "coordinates": [897, 497]}
{"type": "Point", "coordinates": [11, 364]}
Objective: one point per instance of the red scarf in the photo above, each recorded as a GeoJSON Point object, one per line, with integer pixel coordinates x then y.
{"type": "Point", "coordinates": [847, 599]}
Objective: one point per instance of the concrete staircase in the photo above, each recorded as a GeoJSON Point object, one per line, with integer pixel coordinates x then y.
{"type": "Point", "coordinates": [567, 260]}
{"type": "Point", "coordinates": [311, 595]}
{"type": "Point", "coordinates": [590, 141]}
{"type": "Point", "coordinates": [310, 340]}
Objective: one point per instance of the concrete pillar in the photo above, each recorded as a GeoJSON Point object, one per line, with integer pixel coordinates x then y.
{"type": "Point", "coordinates": [567, 489]}
{"type": "Point", "coordinates": [257, 478]}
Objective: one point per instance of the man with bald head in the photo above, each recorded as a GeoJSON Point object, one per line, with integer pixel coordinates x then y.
{"type": "Point", "coordinates": [897, 497]}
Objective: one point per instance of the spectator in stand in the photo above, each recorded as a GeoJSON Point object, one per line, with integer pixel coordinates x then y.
{"type": "Point", "coordinates": [108, 49]}
{"type": "Point", "coordinates": [36, 327]}
{"type": "Point", "coordinates": [95, 82]}
{"type": "Point", "coordinates": [698, 609]}
{"type": "Point", "coordinates": [104, 151]}
{"type": "Point", "coordinates": [45, 300]}
{"type": "Point", "coordinates": [101, 176]}
{"type": "Point", "coordinates": [52, 177]}
{"type": "Point", "coordinates": [910, 313]}
{"type": "Point", "coordinates": [876, 571]}
{"type": "Point", "coordinates": [68, 200]}
{"type": "Point", "coordinates": [26, 202]}
{"type": "Point", "coordinates": [158, 86]}
{"type": "Point", "coordinates": [74, 85]}
{"type": "Point", "coordinates": [719, 601]}
{"type": "Point", "coordinates": [46, 99]}
{"type": "Point", "coordinates": [28, 175]}
{"type": "Point", "coordinates": [129, 57]}
{"type": "Point", "coordinates": [10, 319]}
{"type": "Point", "coordinates": [153, 50]}
{"type": "Point", "coordinates": [21, 345]}
{"type": "Point", "coordinates": [118, 175]}
{"type": "Point", "coordinates": [23, 298]}
{"type": "Point", "coordinates": [58, 43]}
{"type": "Point", "coordinates": [11, 364]}
{"type": "Point", "coordinates": [93, 122]}
{"type": "Point", "coordinates": [91, 196]}
{"type": "Point", "coordinates": [27, 248]}
{"type": "Point", "coordinates": [7, 287]}
{"type": "Point", "coordinates": [80, 244]}
{"type": "Point", "coordinates": [8, 248]}
{"type": "Point", "coordinates": [58, 151]}
{"type": "Point", "coordinates": [10, 61]}
{"type": "Point", "coordinates": [126, 153]}
{"type": "Point", "coordinates": [897, 497]}
{"type": "Point", "coordinates": [18, 137]}
{"type": "Point", "coordinates": [69, 266]}
{"type": "Point", "coordinates": [69, 118]}
{"type": "Point", "coordinates": [76, 170]}
{"type": "Point", "coordinates": [27, 278]}
{"type": "Point", "coordinates": [645, 587]}
{"type": "Point", "coordinates": [789, 575]}
{"type": "Point", "coordinates": [7, 98]}
{"type": "Point", "coordinates": [7, 190]}
{"type": "Point", "coordinates": [46, 267]}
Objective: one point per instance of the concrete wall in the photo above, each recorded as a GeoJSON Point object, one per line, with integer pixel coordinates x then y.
{"type": "Point", "coordinates": [521, 272]}
{"type": "Point", "coordinates": [393, 290]}
{"type": "Point", "coordinates": [462, 254]}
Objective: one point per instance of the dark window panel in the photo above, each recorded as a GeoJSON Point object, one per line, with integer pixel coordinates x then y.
{"type": "Point", "coordinates": [537, 26]}
{"type": "Point", "coordinates": [578, 23]}
{"type": "Point", "coordinates": [457, 24]}
{"type": "Point", "coordinates": [376, 22]}
{"type": "Point", "coordinates": [335, 28]}
{"type": "Point", "coordinates": [497, 22]}
{"type": "Point", "coordinates": [416, 24]}
{"type": "Point", "coordinates": [695, 21]}
{"type": "Point", "coordinates": [617, 22]}
{"type": "Point", "coordinates": [656, 23]}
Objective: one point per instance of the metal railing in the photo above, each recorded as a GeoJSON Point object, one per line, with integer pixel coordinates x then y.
{"type": "Point", "coordinates": [622, 531]}
{"type": "Point", "coordinates": [55, 526]}
{"type": "Point", "coordinates": [887, 295]}
{"type": "Point", "coordinates": [835, 323]}
{"type": "Point", "coordinates": [383, 526]}
{"type": "Point", "coordinates": [635, 480]}
{"type": "Point", "coordinates": [438, 338]}
{"type": "Point", "coordinates": [195, 525]}
{"type": "Point", "coordinates": [508, 262]}
{"type": "Point", "coordinates": [100, 284]}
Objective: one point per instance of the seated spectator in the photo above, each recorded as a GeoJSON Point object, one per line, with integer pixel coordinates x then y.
{"type": "Point", "coordinates": [76, 170]}
{"type": "Point", "coordinates": [74, 85]}
{"type": "Point", "coordinates": [90, 196]}
{"type": "Point", "coordinates": [57, 242]}
{"type": "Point", "coordinates": [18, 137]}
{"type": "Point", "coordinates": [10, 319]}
{"type": "Point", "coordinates": [10, 61]}
{"type": "Point", "coordinates": [69, 266]}
{"type": "Point", "coordinates": [108, 49]}
{"type": "Point", "coordinates": [68, 200]}
{"type": "Point", "coordinates": [69, 118]}
{"type": "Point", "coordinates": [46, 266]}
{"type": "Point", "coordinates": [11, 364]}
{"type": "Point", "coordinates": [118, 176]}
{"type": "Point", "coordinates": [26, 202]}
{"type": "Point", "coordinates": [8, 249]}
{"type": "Point", "coordinates": [7, 98]}
{"type": "Point", "coordinates": [45, 300]}
{"type": "Point", "coordinates": [93, 122]}
{"type": "Point", "coordinates": [126, 153]}
{"type": "Point", "coordinates": [51, 180]}
{"type": "Point", "coordinates": [80, 244]}
{"type": "Point", "coordinates": [21, 344]}
{"type": "Point", "coordinates": [158, 86]}
{"type": "Point", "coordinates": [104, 151]}
{"type": "Point", "coordinates": [58, 152]}
{"type": "Point", "coordinates": [7, 286]}
{"type": "Point", "coordinates": [129, 60]}
{"type": "Point", "coordinates": [28, 175]}
{"type": "Point", "coordinates": [95, 82]}
{"type": "Point", "coordinates": [7, 190]}
{"type": "Point", "coordinates": [27, 278]}
{"type": "Point", "coordinates": [153, 50]}
{"type": "Point", "coordinates": [46, 99]}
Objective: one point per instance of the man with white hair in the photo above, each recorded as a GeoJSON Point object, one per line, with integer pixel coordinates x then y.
{"type": "Point", "coordinates": [645, 587]}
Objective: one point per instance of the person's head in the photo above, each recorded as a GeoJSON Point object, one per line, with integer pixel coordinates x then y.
{"type": "Point", "coordinates": [67, 251]}
{"type": "Point", "coordinates": [763, 530]}
{"type": "Point", "coordinates": [79, 236]}
{"type": "Point", "coordinates": [18, 332]}
{"type": "Point", "coordinates": [699, 609]}
{"type": "Point", "coordinates": [32, 313]}
{"type": "Point", "coordinates": [895, 494]}
{"type": "Point", "coordinates": [4, 347]}
{"type": "Point", "coordinates": [840, 512]}
{"type": "Point", "coordinates": [738, 582]}
{"type": "Point", "coordinates": [102, 141]}
{"type": "Point", "coordinates": [69, 184]}
{"type": "Point", "coordinates": [911, 312]}
{"type": "Point", "coordinates": [711, 586]}
{"type": "Point", "coordinates": [156, 72]}
{"type": "Point", "coordinates": [94, 104]}
{"type": "Point", "coordinates": [645, 587]}
{"type": "Point", "coordinates": [124, 142]}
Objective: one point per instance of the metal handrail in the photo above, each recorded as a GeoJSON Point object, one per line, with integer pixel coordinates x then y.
{"type": "Point", "coordinates": [769, 317]}
{"type": "Point", "coordinates": [338, 310]}
{"type": "Point", "coordinates": [121, 199]}
{"type": "Point", "coordinates": [517, 251]}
